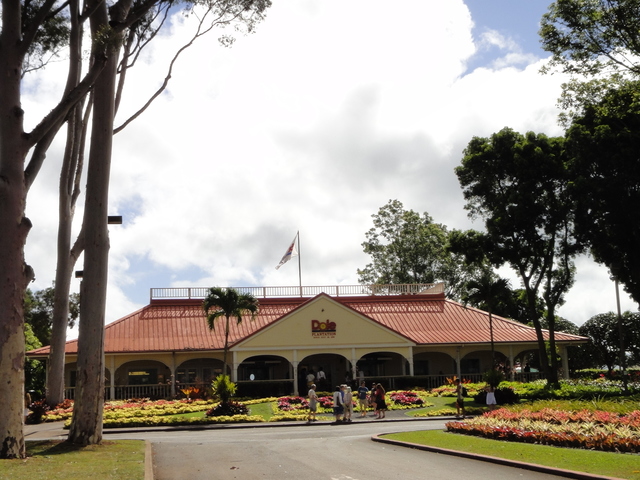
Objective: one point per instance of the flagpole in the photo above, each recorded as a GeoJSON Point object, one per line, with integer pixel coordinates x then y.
{"type": "Point", "coordinates": [299, 267]}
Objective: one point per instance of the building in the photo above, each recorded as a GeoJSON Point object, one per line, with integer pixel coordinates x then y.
{"type": "Point", "coordinates": [398, 333]}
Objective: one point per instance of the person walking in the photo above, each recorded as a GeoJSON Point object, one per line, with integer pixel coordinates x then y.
{"type": "Point", "coordinates": [348, 404]}
{"type": "Point", "coordinates": [459, 399]}
{"type": "Point", "coordinates": [338, 405]}
{"type": "Point", "coordinates": [372, 399]}
{"type": "Point", "coordinates": [491, 397]}
{"type": "Point", "coordinates": [381, 402]}
{"type": "Point", "coordinates": [313, 403]}
{"type": "Point", "coordinates": [363, 392]}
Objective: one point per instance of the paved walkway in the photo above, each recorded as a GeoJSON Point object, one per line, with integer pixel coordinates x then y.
{"type": "Point", "coordinates": [55, 430]}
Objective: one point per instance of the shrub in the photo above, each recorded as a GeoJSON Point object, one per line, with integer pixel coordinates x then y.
{"type": "Point", "coordinates": [228, 409]}
{"type": "Point", "coordinates": [38, 409]}
{"type": "Point", "coordinates": [504, 396]}
{"type": "Point", "coordinates": [223, 388]}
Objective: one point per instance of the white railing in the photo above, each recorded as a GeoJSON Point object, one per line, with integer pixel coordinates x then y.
{"type": "Point", "coordinates": [305, 291]}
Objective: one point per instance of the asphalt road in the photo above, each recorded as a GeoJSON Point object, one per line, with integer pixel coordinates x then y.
{"type": "Point", "coordinates": [310, 452]}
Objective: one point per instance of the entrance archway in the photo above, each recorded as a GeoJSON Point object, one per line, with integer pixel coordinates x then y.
{"type": "Point", "coordinates": [328, 370]}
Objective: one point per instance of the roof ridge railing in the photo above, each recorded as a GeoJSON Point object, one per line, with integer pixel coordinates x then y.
{"type": "Point", "coordinates": [306, 291]}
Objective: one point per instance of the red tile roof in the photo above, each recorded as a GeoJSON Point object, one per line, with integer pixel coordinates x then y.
{"type": "Point", "coordinates": [180, 324]}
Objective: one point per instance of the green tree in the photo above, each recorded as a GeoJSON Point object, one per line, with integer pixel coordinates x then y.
{"type": "Point", "coordinates": [227, 303]}
{"type": "Point", "coordinates": [407, 247]}
{"type": "Point", "coordinates": [594, 41]}
{"type": "Point", "coordinates": [517, 184]}
{"type": "Point", "coordinates": [589, 37]}
{"type": "Point", "coordinates": [603, 144]}
{"type": "Point", "coordinates": [476, 249]}
{"type": "Point", "coordinates": [486, 292]}
{"type": "Point", "coordinates": [30, 31]}
{"type": "Point", "coordinates": [34, 374]}
{"type": "Point", "coordinates": [39, 312]}
{"type": "Point", "coordinates": [604, 334]}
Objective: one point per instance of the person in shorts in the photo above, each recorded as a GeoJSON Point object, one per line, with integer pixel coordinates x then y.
{"type": "Point", "coordinates": [363, 391]}
{"type": "Point", "coordinates": [338, 404]}
{"type": "Point", "coordinates": [348, 403]}
{"type": "Point", "coordinates": [313, 403]}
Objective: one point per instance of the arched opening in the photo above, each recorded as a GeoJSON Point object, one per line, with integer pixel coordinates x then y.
{"type": "Point", "coordinates": [142, 379]}
{"type": "Point", "coordinates": [387, 368]}
{"type": "Point", "coordinates": [198, 372]}
{"type": "Point", "coordinates": [265, 375]}
{"type": "Point", "coordinates": [431, 369]}
{"type": "Point", "coordinates": [326, 370]}
{"type": "Point", "coordinates": [526, 366]}
{"type": "Point", "coordinates": [264, 367]}
{"type": "Point", "coordinates": [474, 364]}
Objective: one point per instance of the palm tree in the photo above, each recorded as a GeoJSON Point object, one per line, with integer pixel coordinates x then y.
{"type": "Point", "coordinates": [227, 303]}
{"type": "Point", "coordinates": [486, 292]}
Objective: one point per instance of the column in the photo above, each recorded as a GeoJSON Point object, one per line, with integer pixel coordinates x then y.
{"type": "Point", "coordinates": [172, 367]}
{"type": "Point", "coordinates": [112, 378]}
{"type": "Point", "coordinates": [234, 367]}
{"type": "Point", "coordinates": [295, 364]}
{"type": "Point", "coordinates": [410, 360]}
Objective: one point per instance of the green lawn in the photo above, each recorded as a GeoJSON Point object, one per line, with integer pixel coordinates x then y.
{"type": "Point", "coordinates": [54, 460]}
{"type": "Point", "coordinates": [616, 465]}
{"type": "Point", "coordinates": [265, 410]}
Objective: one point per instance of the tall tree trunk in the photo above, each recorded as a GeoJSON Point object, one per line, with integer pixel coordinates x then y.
{"type": "Point", "coordinates": [14, 228]}
{"type": "Point", "coordinates": [226, 347]}
{"type": "Point", "coordinates": [68, 194]}
{"type": "Point", "coordinates": [532, 312]}
{"type": "Point", "coordinates": [86, 424]}
{"type": "Point", "coordinates": [552, 379]}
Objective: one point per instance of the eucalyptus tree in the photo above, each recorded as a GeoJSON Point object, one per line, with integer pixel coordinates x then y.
{"type": "Point", "coordinates": [228, 303]}
{"type": "Point", "coordinates": [22, 38]}
{"type": "Point", "coordinates": [244, 16]}
{"type": "Point", "coordinates": [518, 185]}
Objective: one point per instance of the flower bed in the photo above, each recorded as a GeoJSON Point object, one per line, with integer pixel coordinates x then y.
{"type": "Point", "coordinates": [134, 408]}
{"type": "Point", "coordinates": [597, 430]}
{"type": "Point", "coordinates": [399, 400]}
{"type": "Point", "coordinates": [406, 399]}
{"type": "Point", "coordinates": [175, 421]}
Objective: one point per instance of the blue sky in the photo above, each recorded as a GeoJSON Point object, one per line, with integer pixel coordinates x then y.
{"type": "Point", "coordinates": [311, 124]}
{"type": "Point", "coordinates": [516, 19]}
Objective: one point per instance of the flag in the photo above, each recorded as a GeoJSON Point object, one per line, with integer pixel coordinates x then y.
{"type": "Point", "coordinates": [291, 252]}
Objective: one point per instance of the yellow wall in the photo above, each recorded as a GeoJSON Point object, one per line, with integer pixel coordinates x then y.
{"type": "Point", "coordinates": [295, 331]}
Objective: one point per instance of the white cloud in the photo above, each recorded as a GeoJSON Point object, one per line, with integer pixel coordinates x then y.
{"type": "Point", "coordinates": [313, 123]}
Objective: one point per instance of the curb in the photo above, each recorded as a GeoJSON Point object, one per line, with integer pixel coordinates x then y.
{"type": "Point", "coordinates": [148, 461]}
{"type": "Point", "coordinates": [499, 461]}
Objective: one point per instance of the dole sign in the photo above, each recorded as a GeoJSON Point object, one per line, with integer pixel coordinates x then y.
{"type": "Point", "coordinates": [326, 329]}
